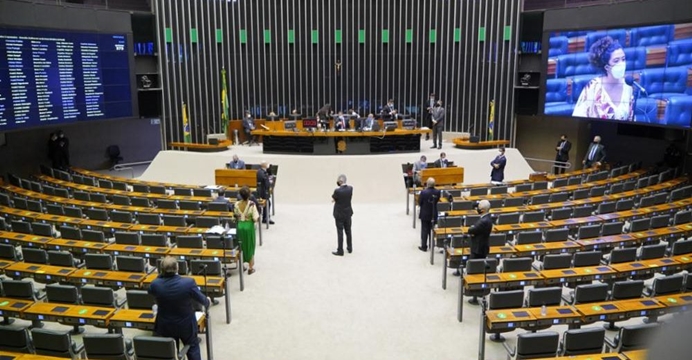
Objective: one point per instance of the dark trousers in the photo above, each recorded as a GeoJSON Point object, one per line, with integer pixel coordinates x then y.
{"type": "Point", "coordinates": [478, 256]}
{"type": "Point", "coordinates": [425, 228]}
{"type": "Point", "coordinates": [184, 334]}
{"type": "Point", "coordinates": [266, 210]}
{"type": "Point", "coordinates": [437, 135]}
{"type": "Point", "coordinates": [343, 226]}
{"type": "Point", "coordinates": [559, 169]}
{"type": "Point", "coordinates": [428, 123]}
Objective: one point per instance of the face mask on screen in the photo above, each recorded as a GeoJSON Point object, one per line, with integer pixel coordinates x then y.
{"type": "Point", "coordinates": [618, 70]}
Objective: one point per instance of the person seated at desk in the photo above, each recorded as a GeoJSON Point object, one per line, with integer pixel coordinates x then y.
{"type": "Point", "coordinates": [368, 123]}
{"type": "Point", "coordinates": [222, 199]}
{"type": "Point", "coordinates": [340, 123]}
{"type": "Point", "coordinates": [389, 109]}
{"type": "Point", "coordinates": [236, 164]}
{"type": "Point", "coordinates": [442, 162]}
{"type": "Point", "coordinates": [248, 127]}
{"type": "Point", "coordinates": [419, 166]}
{"type": "Point", "coordinates": [322, 123]}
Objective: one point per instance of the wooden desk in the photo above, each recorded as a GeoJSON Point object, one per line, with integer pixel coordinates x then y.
{"type": "Point", "coordinates": [444, 176]}
{"type": "Point", "coordinates": [556, 315]}
{"type": "Point", "coordinates": [153, 252]}
{"type": "Point", "coordinates": [675, 302]}
{"type": "Point", "coordinates": [635, 355]}
{"type": "Point", "coordinates": [13, 307]}
{"type": "Point", "coordinates": [235, 178]}
{"type": "Point", "coordinates": [605, 311]}
{"type": "Point", "coordinates": [575, 274]}
{"type": "Point", "coordinates": [108, 278]}
{"type": "Point", "coordinates": [466, 144]}
{"type": "Point", "coordinates": [509, 228]}
{"type": "Point", "coordinates": [99, 175]}
{"type": "Point", "coordinates": [645, 267]}
{"type": "Point", "coordinates": [221, 146]}
{"type": "Point", "coordinates": [215, 284]}
{"type": "Point", "coordinates": [4, 264]}
{"type": "Point", "coordinates": [231, 255]}
{"type": "Point", "coordinates": [18, 239]}
{"type": "Point", "coordinates": [39, 272]}
{"type": "Point", "coordinates": [76, 246]}
{"type": "Point", "coordinates": [642, 307]}
{"type": "Point", "coordinates": [685, 261]}
{"type": "Point", "coordinates": [604, 356]}
{"type": "Point", "coordinates": [508, 319]}
{"type": "Point", "coordinates": [140, 319]}
{"type": "Point", "coordinates": [69, 314]}
{"type": "Point", "coordinates": [552, 177]}
{"type": "Point", "coordinates": [501, 280]}
{"type": "Point", "coordinates": [544, 248]}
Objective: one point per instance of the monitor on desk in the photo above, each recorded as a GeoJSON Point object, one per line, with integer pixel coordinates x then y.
{"type": "Point", "coordinates": [390, 125]}
{"type": "Point", "coordinates": [290, 125]}
{"type": "Point", "coordinates": [408, 124]}
{"type": "Point", "coordinates": [309, 123]}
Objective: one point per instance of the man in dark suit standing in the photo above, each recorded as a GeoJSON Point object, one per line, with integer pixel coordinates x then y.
{"type": "Point", "coordinates": [596, 153]}
{"type": "Point", "coordinates": [428, 118]}
{"type": "Point", "coordinates": [480, 232]}
{"type": "Point", "coordinates": [438, 124]}
{"type": "Point", "coordinates": [248, 127]}
{"type": "Point", "coordinates": [497, 174]}
{"type": "Point", "coordinates": [263, 190]}
{"type": "Point", "coordinates": [342, 214]}
{"type": "Point", "coordinates": [562, 154]}
{"type": "Point", "coordinates": [427, 200]}
{"type": "Point", "coordinates": [176, 298]}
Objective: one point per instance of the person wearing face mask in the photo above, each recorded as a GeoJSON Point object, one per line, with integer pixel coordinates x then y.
{"type": "Point", "coordinates": [606, 96]}
{"type": "Point", "coordinates": [497, 174]}
{"type": "Point", "coordinates": [480, 232]}
{"type": "Point", "coordinates": [595, 154]}
{"type": "Point", "coordinates": [427, 200]}
{"type": "Point", "coordinates": [342, 214]}
{"type": "Point", "coordinates": [442, 161]}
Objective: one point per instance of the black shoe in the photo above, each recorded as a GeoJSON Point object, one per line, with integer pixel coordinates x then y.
{"type": "Point", "coordinates": [271, 222]}
{"type": "Point", "coordinates": [439, 148]}
{"type": "Point", "coordinates": [349, 250]}
{"type": "Point", "coordinates": [338, 253]}
{"type": "Point", "coordinates": [456, 273]}
{"type": "Point", "coordinates": [423, 249]}
{"type": "Point", "coordinates": [427, 138]}
{"type": "Point", "coordinates": [434, 147]}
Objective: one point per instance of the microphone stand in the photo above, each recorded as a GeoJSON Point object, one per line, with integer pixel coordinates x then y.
{"type": "Point", "coordinates": [207, 321]}
{"type": "Point", "coordinates": [484, 305]}
{"type": "Point", "coordinates": [227, 295]}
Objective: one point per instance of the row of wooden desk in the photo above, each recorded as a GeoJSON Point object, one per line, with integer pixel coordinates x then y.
{"type": "Point", "coordinates": [129, 181]}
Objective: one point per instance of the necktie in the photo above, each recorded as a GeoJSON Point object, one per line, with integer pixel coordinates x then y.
{"type": "Point", "coordinates": [562, 144]}
{"type": "Point", "coordinates": [592, 153]}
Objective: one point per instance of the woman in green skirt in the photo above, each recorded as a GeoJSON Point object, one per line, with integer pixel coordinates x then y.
{"type": "Point", "coordinates": [246, 214]}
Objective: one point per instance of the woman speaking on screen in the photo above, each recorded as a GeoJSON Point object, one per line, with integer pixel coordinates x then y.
{"type": "Point", "coordinates": [606, 96]}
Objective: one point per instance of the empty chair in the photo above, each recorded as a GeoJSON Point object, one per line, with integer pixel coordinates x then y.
{"type": "Point", "coordinates": [561, 214]}
{"type": "Point", "coordinates": [21, 227]}
{"type": "Point", "coordinates": [174, 220]}
{"type": "Point", "coordinates": [632, 337]}
{"type": "Point", "coordinates": [616, 189]}
{"type": "Point", "coordinates": [55, 209]}
{"type": "Point", "coordinates": [157, 190]}
{"type": "Point", "coordinates": [190, 241]}
{"type": "Point", "coordinates": [73, 211]}
{"type": "Point", "coordinates": [190, 205]}
{"type": "Point", "coordinates": [647, 201]}
{"type": "Point", "coordinates": [219, 206]}
{"type": "Point", "coordinates": [558, 197]}
{"type": "Point", "coordinates": [107, 347]}
{"type": "Point", "coordinates": [140, 188]}
{"type": "Point", "coordinates": [140, 202]}
{"type": "Point", "coordinates": [629, 185]}
{"type": "Point", "coordinates": [582, 341]}
{"type": "Point", "coordinates": [640, 225]}
{"type": "Point", "coordinates": [597, 191]}
{"type": "Point", "coordinates": [536, 345]}
{"type": "Point", "coordinates": [653, 252]}
{"type": "Point", "coordinates": [529, 237]}
{"type": "Point", "coordinates": [182, 191]}
{"type": "Point", "coordinates": [504, 300]}
{"type": "Point", "coordinates": [62, 192]}
{"type": "Point", "coordinates": [587, 258]}
{"type": "Point", "coordinates": [681, 247]}
{"type": "Point", "coordinates": [127, 238]}
{"type": "Point", "coordinates": [56, 343]}
{"type": "Point", "coordinates": [70, 232]}
{"type": "Point", "coordinates": [101, 296]}
{"type": "Point", "coordinates": [478, 266]}
{"type": "Point", "coordinates": [167, 204]}
{"type": "Point", "coordinates": [560, 183]}
{"type": "Point", "coordinates": [588, 293]}
{"type": "Point", "coordinates": [79, 179]}
{"type": "Point", "coordinates": [540, 199]}
{"type": "Point", "coordinates": [154, 240]}
{"type": "Point", "coordinates": [201, 192]}
{"type": "Point", "coordinates": [8, 252]}
{"type": "Point", "coordinates": [580, 194]}
{"type": "Point", "coordinates": [42, 229]}
{"type": "Point", "coordinates": [34, 205]}
{"type": "Point", "coordinates": [556, 261]}
{"type": "Point", "coordinates": [5, 200]}
{"type": "Point", "coordinates": [642, 183]}
{"type": "Point", "coordinates": [131, 263]}
{"type": "Point", "coordinates": [555, 235]}
{"type": "Point", "coordinates": [660, 198]}
{"type": "Point", "coordinates": [62, 258]}
{"type": "Point", "coordinates": [139, 299]}
{"type": "Point", "coordinates": [497, 239]}
{"type": "Point", "coordinates": [15, 339]}
{"type": "Point", "coordinates": [523, 187]}
{"type": "Point", "coordinates": [498, 190]}
{"type": "Point", "coordinates": [606, 207]}
{"type": "Point", "coordinates": [20, 203]}
{"type": "Point", "coordinates": [677, 194]}
{"type": "Point", "coordinates": [121, 216]}
{"type": "Point", "coordinates": [88, 180]}
{"type": "Point", "coordinates": [21, 289]}
{"type": "Point", "coordinates": [118, 185]}
{"type": "Point", "coordinates": [660, 221]}
{"type": "Point", "coordinates": [533, 216]}
{"type": "Point", "coordinates": [478, 192]}
{"type": "Point", "coordinates": [81, 195]}
{"type": "Point", "coordinates": [3, 224]}
{"type": "Point", "coordinates": [450, 221]}
{"type": "Point", "coordinates": [157, 348]}
{"type": "Point", "coordinates": [441, 207]}
{"type": "Point", "coordinates": [213, 267]}
{"type": "Point", "coordinates": [589, 231]}
{"type": "Point", "coordinates": [550, 296]}
{"type": "Point", "coordinates": [106, 184]}
{"type": "Point", "coordinates": [622, 290]}
{"type": "Point", "coordinates": [517, 264]}
{"type": "Point", "coordinates": [495, 203]}
{"type": "Point", "coordinates": [540, 185]}
{"type": "Point", "coordinates": [149, 219]}
{"type": "Point", "coordinates": [121, 200]}
{"type": "Point", "coordinates": [624, 205]}
{"type": "Point", "coordinates": [682, 217]}
{"type": "Point", "coordinates": [462, 205]}
{"type": "Point", "coordinates": [622, 255]}
{"type": "Point", "coordinates": [207, 222]}
{"type": "Point", "coordinates": [93, 235]}
{"type": "Point", "coordinates": [98, 261]}
{"type": "Point", "coordinates": [574, 180]}
{"type": "Point", "coordinates": [34, 256]}
{"type": "Point", "coordinates": [97, 214]}
{"type": "Point", "coordinates": [512, 218]}
{"type": "Point", "coordinates": [613, 228]}
{"type": "Point", "coordinates": [670, 284]}
{"type": "Point", "coordinates": [582, 211]}
{"type": "Point", "coordinates": [64, 294]}
{"type": "Point", "coordinates": [514, 201]}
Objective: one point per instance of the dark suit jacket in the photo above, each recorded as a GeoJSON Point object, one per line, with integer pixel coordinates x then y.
{"type": "Point", "coordinates": [342, 202]}
{"type": "Point", "coordinates": [438, 163]}
{"type": "Point", "coordinates": [248, 123]}
{"type": "Point", "coordinates": [480, 235]}
{"type": "Point", "coordinates": [263, 184]}
{"type": "Point", "coordinates": [438, 114]}
{"type": "Point", "coordinates": [599, 156]}
{"type": "Point", "coordinates": [176, 297]}
{"type": "Point", "coordinates": [499, 173]}
{"type": "Point", "coordinates": [427, 200]}
{"type": "Point", "coordinates": [563, 154]}
{"type": "Point", "coordinates": [387, 109]}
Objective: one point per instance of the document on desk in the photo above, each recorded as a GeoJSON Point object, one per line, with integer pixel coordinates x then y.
{"type": "Point", "coordinates": [198, 315]}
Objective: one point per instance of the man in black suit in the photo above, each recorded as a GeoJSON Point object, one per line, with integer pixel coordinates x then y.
{"type": "Point", "coordinates": [438, 124]}
{"type": "Point", "coordinates": [428, 118]}
{"type": "Point", "coordinates": [427, 200]}
{"type": "Point", "coordinates": [176, 298]}
{"type": "Point", "coordinates": [263, 189]}
{"type": "Point", "coordinates": [562, 154]}
{"type": "Point", "coordinates": [342, 214]}
{"type": "Point", "coordinates": [389, 109]}
{"type": "Point", "coordinates": [248, 127]}
{"type": "Point", "coordinates": [442, 161]}
{"type": "Point", "coordinates": [595, 154]}
{"type": "Point", "coordinates": [480, 232]}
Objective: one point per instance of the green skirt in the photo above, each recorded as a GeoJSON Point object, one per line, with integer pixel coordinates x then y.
{"type": "Point", "coordinates": [246, 234]}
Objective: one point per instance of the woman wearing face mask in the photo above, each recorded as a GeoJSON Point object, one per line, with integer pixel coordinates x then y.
{"type": "Point", "coordinates": [606, 96]}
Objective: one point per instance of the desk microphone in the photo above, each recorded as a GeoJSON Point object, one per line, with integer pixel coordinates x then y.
{"type": "Point", "coordinates": [629, 80]}
{"type": "Point", "coordinates": [202, 269]}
